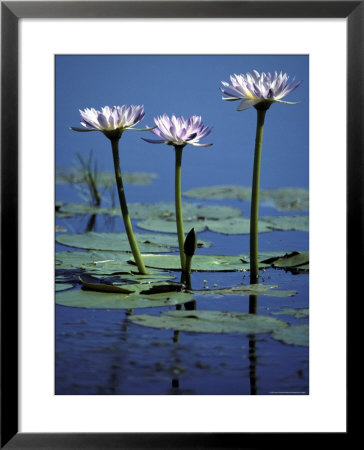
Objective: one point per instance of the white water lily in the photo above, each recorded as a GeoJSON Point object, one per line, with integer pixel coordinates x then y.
{"type": "Point", "coordinates": [258, 89]}
{"type": "Point", "coordinates": [111, 121]}
{"type": "Point", "coordinates": [179, 131]}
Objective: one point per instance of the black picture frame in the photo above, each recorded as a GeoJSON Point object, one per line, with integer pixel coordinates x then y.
{"type": "Point", "coordinates": [11, 12]}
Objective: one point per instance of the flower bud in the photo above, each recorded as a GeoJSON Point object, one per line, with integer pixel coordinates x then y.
{"type": "Point", "coordinates": [190, 244]}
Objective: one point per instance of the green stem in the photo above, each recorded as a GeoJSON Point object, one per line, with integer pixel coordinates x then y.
{"type": "Point", "coordinates": [254, 211]}
{"type": "Point", "coordinates": [124, 208]}
{"type": "Point", "coordinates": [178, 203]}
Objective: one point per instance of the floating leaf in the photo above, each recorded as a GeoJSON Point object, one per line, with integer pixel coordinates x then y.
{"type": "Point", "coordinates": [148, 242]}
{"type": "Point", "coordinates": [293, 335]}
{"type": "Point", "coordinates": [225, 263]}
{"type": "Point", "coordinates": [298, 313]}
{"type": "Point", "coordinates": [95, 284]}
{"type": "Point", "coordinates": [236, 225]}
{"type": "Point", "coordinates": [200, 263]}
{"type": "Point", "coordinates": [79, 298]}
{"type": "Point", "coordinates": [219, 192]}
{"type": "Point", "coordinates": [251, 289]}
{"type": "Point", "coordinates": [291, 259]}
{"type": "Point", "coordinates": [191, 212]}
{"type": "Point", "coordinates": [167, 226]}
{"type": "Point", "coordinates": [64, 175]}
{"type": "Point", "coordinates": [63, 286]}
{"type": "Point", "coordinates": [299, 223]}
{"type": "Point", "coordinates": [210, 322]}
{"type": "Point", "coordinates": [109, 261]}
{"type": "Point", "coordinates": [284, 199]}
{"type": "Point", "coordinates": [70, 265]}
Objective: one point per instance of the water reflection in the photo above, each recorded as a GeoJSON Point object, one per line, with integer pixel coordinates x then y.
{"type": "Point", "coordinates": [253, 308]}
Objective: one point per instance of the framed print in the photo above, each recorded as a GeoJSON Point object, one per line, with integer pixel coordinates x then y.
{"type": "Point", "coordinates": [185, 312]}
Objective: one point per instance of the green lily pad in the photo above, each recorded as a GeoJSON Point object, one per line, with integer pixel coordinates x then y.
{"type": "Point", "coordinates": [251, 289]}
{"type": "Point", "coordinates": [284, 199]}
{"type": "Point", "coordinates": [236, 225]}
{"type": "Point", "coordinates": [63, 286]}
{"type": "Point", "coordinates": [298, 223]}
{"type": "Point", "coordinates": [219, 192]}
{"type": "Point", "coordinates": [226, 263]}
{"type": "Point", "coordinates": [104, 179]}
{"type": "Point", "coordinates": [200, 263]}
{"type": "Point", "coordinates": [95, 284]}
{"type": "Point", "coordinates": [79, 298]}
{"type": "Point", "coordinates": [293, 335]}
{"type": "Point", "coordinates": [291, 259]}
{"type": "Point", "coordinates": [167, 226]}
{"type": "Point", "coordinates": [191, 212]}
{"type": "Point", "coordinates": [210, 322]}
{"type": "Point", "coordinates": [298, 313]}
{"type": "Point", "coordinates": [71, 209]}
{"type": "Point", "coordinates": [147, 242]}
{"type": "Point", "coordinates": [110, 261]}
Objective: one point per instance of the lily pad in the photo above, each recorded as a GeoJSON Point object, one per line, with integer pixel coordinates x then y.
{"type": "Point", "coordinates": [200, 263]}
{"type": "Point", "coordinates": [210, 322]}
{"type": "Point", "coordinates": [70, 265]}
{"type": "Point", "coordinates": [291, 259]}
{"type": "Point", "coordinates": [109, 261]}
{"type": "Point", "coordinates": [167, 226]}
{"type": "Point", "coordinates": [104, 179]}
{"type": "Point", "coordinates": [166, 210]}
{"type": "Point", "coordinates": [71, 209]}
{"type": "Point", "coordinates": [148, 242]}
{"type": "Point", "coordinates": [284, 199]}
{"type": "Point", "coordinates": [293, 335]}
{"type": "Point", "coordinates": [298, 223]}
{"type": "Point", "coordinates": [95, 284]}
{"type": "Point", "coordinates": [219, 192]}
{"type": "Point", "coordinates": [236, 225]}
{"type": "Point", "coordinates": [63, 286]}
{"type": "Point", "coordinates": [226, 263]}
{"type": "Point", "coordinates": [79, 298]}
{"type": "Point", "coordinates": [297, 313]}
{"type": "Point", "coordinates": [251, 289]}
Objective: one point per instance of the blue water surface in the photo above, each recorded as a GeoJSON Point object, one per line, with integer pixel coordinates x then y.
{"type": "Point", "coordinates": [99, 351]}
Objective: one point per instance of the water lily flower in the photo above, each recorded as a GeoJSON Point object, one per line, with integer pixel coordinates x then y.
{"type": "Point", "coordinates": [255, 88]}
{"type": "Point", "coordinates": [260, 91]}
{"type": "Point", "coordinates": [111, 121]}
{"type": "Point", "coordinates": [179, 131]}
